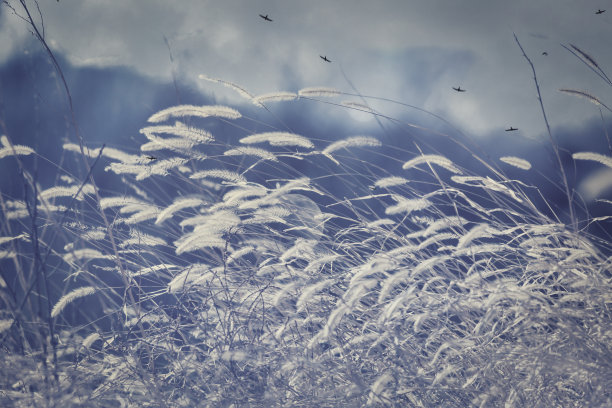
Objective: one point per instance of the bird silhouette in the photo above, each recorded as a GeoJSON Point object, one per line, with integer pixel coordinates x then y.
{"type": "Point", "coordinates": [600, 11]}
{"type": "Point", "coordinates": [511, 129]}
{"type": "Point", "coordinates": [324, 58]}
{"type": "Point", "coordinates": [544, 53]}
{"type": "Point", "coordinates": [458, 89]}
{"type": "Point", "coordinates": [151, 158]}
{"type": "Point", "coordinates": [265, 17]}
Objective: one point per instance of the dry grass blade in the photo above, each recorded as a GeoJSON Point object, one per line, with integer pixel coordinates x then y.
{"type": "Point", "coordinates": [516, 162]}
{"type": "Point", "coordinates": [278, 139]}
{"type": "Point", "coordinates": [432, 159]}
{"type": "Point", "coordinates": [196, 111]}
{"type": "Point", "coordinates": [11, 149]}
{"type": "Point", "coordinates": [274, 97]}
{"type": "Point", "coordinates": [71, 297]}
{"type": "Point", "coordinates": [240, 90]}
{"type": "Point", "coordinates": [319, 92]}
{"type": "Point", "coordinates": [605, 160]}
{"type": "Point", "coordinates": [589, 61]}
{"type": "Point", "coordinates": [586, 95]}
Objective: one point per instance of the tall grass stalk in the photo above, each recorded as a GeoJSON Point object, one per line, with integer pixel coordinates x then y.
{"type": "Point", "coordinates": [553, 143]}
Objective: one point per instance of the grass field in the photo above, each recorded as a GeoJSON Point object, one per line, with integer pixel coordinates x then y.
{"type": "Point", "coordinates": [272, 268]}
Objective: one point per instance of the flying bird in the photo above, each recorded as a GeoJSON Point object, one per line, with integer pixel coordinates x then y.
{"type": "Point", "coordinates": [324, 58]}
{"type": "Point", "coordinates": [265, 17]}
{"type": "Point", "coordinates": [151, 158]}
{"type": "Point", "coordinates": [458, 89]}
{"type": "Point", "coordinates": [600, 11]}
{"type": "Point", "coordinates": [544, 53]}
{"type": "Point", "coordinates": [511, 129]}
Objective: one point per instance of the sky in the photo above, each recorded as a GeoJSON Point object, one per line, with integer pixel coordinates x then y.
{"type": "Point", "coordinates": [409, 51]}
{"type": "Point", "coordinates": [118, 55]}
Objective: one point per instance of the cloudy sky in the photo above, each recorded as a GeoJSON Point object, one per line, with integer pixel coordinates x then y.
{"type": "Point", "coordinates": [410, 51]}
{"type": "Point", "coordinates": [121, 59]}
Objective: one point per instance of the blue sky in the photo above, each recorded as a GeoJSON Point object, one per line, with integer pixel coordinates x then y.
{"type": "Point", "coordinates": [119, 68]}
